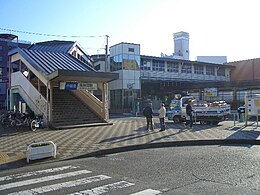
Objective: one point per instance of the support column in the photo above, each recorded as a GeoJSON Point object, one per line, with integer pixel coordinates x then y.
{"type": "Point", "coordinates": [105, 100]}
{"type": "Point", "coordinates": [11, 98]}
{"type": "Point", "coordinates": [234, 98]}
{"type": "Point", "coordinates": [49, 94]}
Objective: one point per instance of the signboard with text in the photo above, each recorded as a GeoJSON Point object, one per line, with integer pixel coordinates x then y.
{"type": "Point", "coordinates": [74, 85]}
{"type": "Point", "coordinates": [253, 103]}
{"type": "Point", "coordinates": [210, 92]}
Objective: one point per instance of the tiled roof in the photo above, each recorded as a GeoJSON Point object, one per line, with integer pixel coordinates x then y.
{"type": "Point", "coordinates": [49, 62]}
{"type": "Point", "coordinates": [53, 46]}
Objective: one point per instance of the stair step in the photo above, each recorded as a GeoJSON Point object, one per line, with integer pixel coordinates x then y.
{"type": "Point", "coordinates": [68, 110]}
{"type": "Point", "coordinates": [56, 126]}
{"type": "Point", "coordinates": [65, 122]}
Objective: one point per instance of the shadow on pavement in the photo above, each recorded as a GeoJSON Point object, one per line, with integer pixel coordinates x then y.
{"type": "Point", "coordinates": [114, 140]}
{"type": "Point", "coordinates": [13, 131]}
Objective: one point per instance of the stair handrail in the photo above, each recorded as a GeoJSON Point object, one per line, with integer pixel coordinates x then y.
{"type": "Point", "coordinates": [39, 101]}
{"type": "Point", "coordinates": [91, 101]}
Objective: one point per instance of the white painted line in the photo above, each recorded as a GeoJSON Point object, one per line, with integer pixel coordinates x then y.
{"type": "Point", "coordinates": [104, 188]}
{"type": "Point", "coordinates": [148, 192]}
{"type": "Point", "coordinates": [59, 186]}
{"type": "Point", "coordinates": [33, 173]}
{"type": "Point", "coordinates": [42, 179]}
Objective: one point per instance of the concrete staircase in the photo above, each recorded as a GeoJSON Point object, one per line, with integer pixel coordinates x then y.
{"type": "Point", "coordinates": [70, 112]}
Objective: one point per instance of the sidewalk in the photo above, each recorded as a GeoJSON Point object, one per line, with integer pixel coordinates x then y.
{"type": "Point", "coordinates": [125, 132]}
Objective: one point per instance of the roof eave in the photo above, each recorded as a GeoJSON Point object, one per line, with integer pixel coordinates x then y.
{"type": "Point", "coordinates": [68, 75]}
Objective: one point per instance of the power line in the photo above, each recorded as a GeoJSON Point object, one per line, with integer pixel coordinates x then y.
{"type": "Point", "coordinates": [51, 35]}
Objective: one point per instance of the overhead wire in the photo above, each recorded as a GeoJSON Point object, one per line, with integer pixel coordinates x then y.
{"type": "Point", "coordinates": [57, 35]}
{"type": "Point", "coordinates": [51, 35]}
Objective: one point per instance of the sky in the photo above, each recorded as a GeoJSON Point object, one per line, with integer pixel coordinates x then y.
{"type": "Point", "coordinates": [216, 27]}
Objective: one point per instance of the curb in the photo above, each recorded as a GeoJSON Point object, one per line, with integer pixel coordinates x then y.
{"type": "Point", "coordinates": [21, 161]}
{"type": "Point", "coordinates": [103, 152]}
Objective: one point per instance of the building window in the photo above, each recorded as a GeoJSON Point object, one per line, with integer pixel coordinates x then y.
{"type": "Point", "coordinates": [145, 65]}
{"type": "Point", "coordinates": [1, 58]}
{"type": "Point", "coordinates": [158, 66]}
{"type": "Point", "coordinates": [186, 68]}
{"type": "Point", "coordinates": [173, 67]}
{"type": "Point", "coordinates": [221, 71]}
{"type": "Point", "coordinates": [131, 62]}
{"type": "Point", "coordinates": [198, 69]}
{"type": "Point", "coordinates": [131, 50]}
{"type": "Point", "coordinates": [210, 70]}
{"type": "Point", "coordinates": [116, 63]}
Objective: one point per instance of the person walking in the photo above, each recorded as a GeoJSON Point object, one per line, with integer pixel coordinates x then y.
{"type": "Point", "coordinates": [148, 113]}
{"type": "Point", "coordinates": [162, 114]}
{"type": "Point", "coordinates": [189, 113]}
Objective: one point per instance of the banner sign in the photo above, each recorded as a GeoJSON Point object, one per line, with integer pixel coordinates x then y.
{"type": "Point", "coordinates": [71, 85]}
{"type": "Point", "coordinates": [210, 92]}
{"type": "Point", "coordinates": [87, 86]}
{"type": "Point", "coordinates": [253, 103]}
{"type": "Point", "coordinates": [74, 85]}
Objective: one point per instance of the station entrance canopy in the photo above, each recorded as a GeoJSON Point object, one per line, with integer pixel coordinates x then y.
{"type": "Point", "coordinates": [45, 72]}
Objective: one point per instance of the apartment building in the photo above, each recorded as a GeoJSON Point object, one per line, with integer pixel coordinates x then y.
{"type": "Point", "coordinates": [7, 43]}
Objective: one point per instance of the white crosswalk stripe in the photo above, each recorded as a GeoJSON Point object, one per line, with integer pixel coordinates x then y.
{"type": "Point", "coordinates": [59, 186]}
{"type": "Point", "coordinates": [105, 188]}
{"type": "Point", "coordinates": [41, 181]}
{"type": "Point", "coordinates": [148, 192]}
{"type": "Point", "coordinates": [34, 173]}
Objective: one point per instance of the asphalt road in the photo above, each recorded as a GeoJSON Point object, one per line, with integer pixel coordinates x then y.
{"type": "Point", "coordinates": [177, 170]}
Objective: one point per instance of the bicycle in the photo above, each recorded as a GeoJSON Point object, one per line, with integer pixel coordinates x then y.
{"type": "Point", "coordinates": [37, 122]}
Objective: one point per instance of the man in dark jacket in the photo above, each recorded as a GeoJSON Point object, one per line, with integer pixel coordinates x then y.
{"type": "Point", "coordinates": [189, 113]}
{"type": "Point", "coordinates": [148, 113]}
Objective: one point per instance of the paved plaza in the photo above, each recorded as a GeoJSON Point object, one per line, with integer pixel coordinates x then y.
{"type": "Point", "coordinates": [125, 131]}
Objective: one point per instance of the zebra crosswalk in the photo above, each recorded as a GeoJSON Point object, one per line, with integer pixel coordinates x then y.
{"type": "Point", "coordinates": [65, 180]}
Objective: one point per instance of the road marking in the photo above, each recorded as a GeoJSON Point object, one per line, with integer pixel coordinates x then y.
{"type": "Point", "coordinates": [59, 186]}
{"type": "Point", "coordinates": [148, 192]}
{"type": "Point", "coordinates": [42, 179]}
{"type": "Point", "coordinates": [33, 173]}
{"type": "Point", "coordinates": [104, 188]}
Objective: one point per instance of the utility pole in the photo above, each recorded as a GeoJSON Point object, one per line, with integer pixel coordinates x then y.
{"type": "Point", "coordinates": [106, 58]}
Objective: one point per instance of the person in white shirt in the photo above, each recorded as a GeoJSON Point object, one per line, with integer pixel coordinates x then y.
{"type": "Point", "coordinates": [162, 114]}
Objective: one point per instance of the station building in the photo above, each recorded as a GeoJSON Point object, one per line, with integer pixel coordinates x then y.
{"type": "Point", "coordinates": [57, 79]}
{"type": "Point", "coordinates": [159, 79]}
{"type": "Point", "coordinates": [43, 73]}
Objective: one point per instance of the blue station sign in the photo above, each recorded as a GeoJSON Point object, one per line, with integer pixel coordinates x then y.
{"type": "Point", "coordinates": [71, 85]}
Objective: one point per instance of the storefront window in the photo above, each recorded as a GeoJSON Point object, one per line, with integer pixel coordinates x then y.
{"type": "Point", "coordinates": [116, 99]}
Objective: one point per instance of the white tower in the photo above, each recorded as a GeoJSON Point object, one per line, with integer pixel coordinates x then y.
{"type": "Point", "coordinates": [181, 45]}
